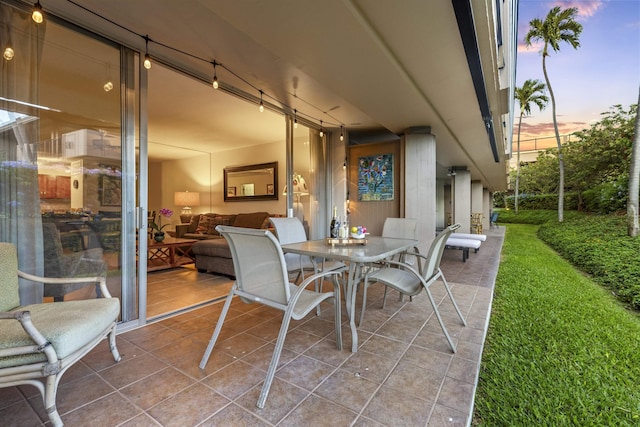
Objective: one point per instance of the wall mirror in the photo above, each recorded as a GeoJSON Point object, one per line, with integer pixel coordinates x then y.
{"type": "Point", "coordinates": [251, 182]}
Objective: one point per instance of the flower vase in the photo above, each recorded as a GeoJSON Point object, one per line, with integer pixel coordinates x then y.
{"type": "Point", "coordinates": [159, 236]}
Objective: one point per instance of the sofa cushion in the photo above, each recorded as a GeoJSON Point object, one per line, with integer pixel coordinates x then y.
{"type": "Point", "coordinates": [251, 220]}
{"type": "Point", "coordinates": [212, 248]}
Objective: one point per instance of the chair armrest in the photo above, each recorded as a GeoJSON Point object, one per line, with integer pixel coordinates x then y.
{"type": "Point", "coordinates": [181, 230]}
{"type": "Point", "coordinates": [64, 280]}
{"type": "Point", "coordinates": [42, 345]}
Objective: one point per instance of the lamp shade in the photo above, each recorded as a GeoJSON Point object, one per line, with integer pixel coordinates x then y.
{"type": "Point", "coordinates": [186, 198]}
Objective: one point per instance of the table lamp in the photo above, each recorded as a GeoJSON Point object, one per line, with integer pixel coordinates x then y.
{"type": "Point", "coordinates": [186, 199]}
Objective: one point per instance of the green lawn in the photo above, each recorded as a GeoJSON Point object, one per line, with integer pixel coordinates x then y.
{"type": "Point", "coordinates": [560, 349]}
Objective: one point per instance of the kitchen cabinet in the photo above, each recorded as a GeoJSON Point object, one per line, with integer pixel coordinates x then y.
{"type": "Point", "coordinates": [54, 187]}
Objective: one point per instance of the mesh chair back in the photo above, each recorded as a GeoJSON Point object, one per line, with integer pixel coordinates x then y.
{"type": "Point", "coordinates": [436, 250]}
{"type": "Point", "coordinates": [258, 262]}
{"type": "Point", "coordinates": [9, 296]}
{"type": "Point", "coordinates": [400, 228]}
{"type": "Point", "coordinates": [289, 230]}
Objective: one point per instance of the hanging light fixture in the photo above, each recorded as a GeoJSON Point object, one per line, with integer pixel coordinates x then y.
{"type": "Point", "coordinates": [8, 53]}
{"type": "Point", "coordinates": [341, 133]}
{"type": "Point", "coordinates": [321, 129]}
{"type": "Point", "coordinates": [261, 104]}
{"type": "Point", "coordinates": [108, 86]}
{"type": "Point", "coordinates": [147, 58]}
{"type": "Point", "coordinates": [215, 76]}
{"type": "Point", "coordinates": [295, 118]}
{"type": "Point", "coordinates": [37, 15]}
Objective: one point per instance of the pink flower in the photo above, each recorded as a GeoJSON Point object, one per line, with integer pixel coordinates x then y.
{"type": "Point", "coordinates": [164, 212]}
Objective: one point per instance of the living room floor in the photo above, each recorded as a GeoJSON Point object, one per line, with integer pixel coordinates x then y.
{"type": "Point", "coordinates": [181, 288]}
{"type": "Point", "coordinates": [403, 374]}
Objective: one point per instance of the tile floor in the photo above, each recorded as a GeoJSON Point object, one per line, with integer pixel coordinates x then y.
{"type": "Point", "coordinates": [403, 374]}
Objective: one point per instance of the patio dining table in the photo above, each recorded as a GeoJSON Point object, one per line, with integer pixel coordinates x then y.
{"type": "Point", "coordinates": [356, 256]}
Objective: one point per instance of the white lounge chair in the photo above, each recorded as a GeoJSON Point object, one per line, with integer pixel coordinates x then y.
{"type": "Point", "coordinates": [464, 245]}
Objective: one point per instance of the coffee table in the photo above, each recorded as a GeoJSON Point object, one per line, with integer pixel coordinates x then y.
{"type": "Point", "coordinates": [170, 253]}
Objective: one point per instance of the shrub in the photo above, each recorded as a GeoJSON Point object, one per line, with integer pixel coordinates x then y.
{"type": "Point", "coordinates": [607, 197]}
{"type": "Point", "coordinates": [542, 201]}
{"type": "Point", "coordinates": [599, 246]}
{"type": "Point", "coordinates": [539, 216]}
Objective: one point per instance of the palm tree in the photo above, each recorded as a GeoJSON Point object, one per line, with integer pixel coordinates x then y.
{"type": "Point", "coordinates": [634, 182]}
{"type": "Point", "coordinates": [531, 92]}
{"type": "Point", "coordinates": [558, 26]}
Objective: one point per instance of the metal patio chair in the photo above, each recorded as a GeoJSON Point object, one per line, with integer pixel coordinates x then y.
{"type": "Point", "coordinates": [411, 281]}
{"type": "Point", "coordinates": [262, 277]}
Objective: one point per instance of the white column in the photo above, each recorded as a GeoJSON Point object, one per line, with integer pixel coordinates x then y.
{"type": "Point", "coordinates": [441, 220]}
{"type": "Point", "coordinates": [462, 200]}
{"type": "Point", "coordinates": [420, 182]}
{"type": "Point", "coordinates": [487, 203]}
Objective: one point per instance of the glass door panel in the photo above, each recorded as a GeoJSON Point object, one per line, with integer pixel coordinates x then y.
{"type": "Point", "coordinates": [60, 154]}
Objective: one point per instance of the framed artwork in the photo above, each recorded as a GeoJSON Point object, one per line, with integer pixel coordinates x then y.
{"type": "Point", "coordinates": [231, 191]}
{"type": "Point", "coordinates": [110, 190]}
{"type": "Point", "coordinates": [375, 178]}
{"type": "Point", "coordinates": [269, 188]}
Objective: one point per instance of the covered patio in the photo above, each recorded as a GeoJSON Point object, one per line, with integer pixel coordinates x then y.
{"type": "Point", "coordinates": [403, 374]}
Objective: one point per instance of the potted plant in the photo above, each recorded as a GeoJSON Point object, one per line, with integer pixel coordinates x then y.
{"type": "Point", "coordinates": [159, 234]}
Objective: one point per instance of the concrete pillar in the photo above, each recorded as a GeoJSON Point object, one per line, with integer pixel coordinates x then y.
{"type": "Point", "coordinates": [486, 208]}
{"type": "Point", "coordinates": [462, 200]}
{"type": "Point", "coordinates": [441, 219]}
{"type": "Point", "coordinates": [420, 182]}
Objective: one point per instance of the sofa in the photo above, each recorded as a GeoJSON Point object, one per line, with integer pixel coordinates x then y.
{"type": "Point", "coordinates": [211, 252]}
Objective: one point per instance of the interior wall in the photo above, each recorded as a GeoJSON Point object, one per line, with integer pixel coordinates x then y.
{"type": "Point", "coordinates": [205, 174]}
{"type": "Point", "coordinates": [273, 152]}
{"type": "Point", "coordinates": [372, 214]}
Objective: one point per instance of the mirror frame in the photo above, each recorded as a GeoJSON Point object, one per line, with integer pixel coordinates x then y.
{"type": "Point", "coordinates": [246, 168]}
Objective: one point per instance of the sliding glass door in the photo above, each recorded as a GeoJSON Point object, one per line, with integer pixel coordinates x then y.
{"type": "Point", "coordinates": [62, 181]}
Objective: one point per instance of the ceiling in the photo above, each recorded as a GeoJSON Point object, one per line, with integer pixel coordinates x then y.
{"type": "Point", "coordinates": [377, 69]}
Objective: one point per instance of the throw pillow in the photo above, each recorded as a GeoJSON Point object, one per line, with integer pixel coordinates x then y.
{"type": "Point", "coordinates": [203, 224]}
{"type": "Point", "coordinates": [215, 222]}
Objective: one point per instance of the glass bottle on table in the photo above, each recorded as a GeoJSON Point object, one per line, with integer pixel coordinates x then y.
{"type": "Point", "coordinates": [333, 227]}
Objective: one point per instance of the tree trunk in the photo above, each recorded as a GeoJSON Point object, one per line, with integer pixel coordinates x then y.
{"type": "Point", "coordinates": [555, 128]}
{"type": "Point", "coordinates": [518, 165]}
{"type": "Point", "coordinates": [634, 182]}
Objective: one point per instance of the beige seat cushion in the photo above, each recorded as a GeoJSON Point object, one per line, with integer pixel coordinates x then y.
{"type": "Point", "coordinates": [68, 325]}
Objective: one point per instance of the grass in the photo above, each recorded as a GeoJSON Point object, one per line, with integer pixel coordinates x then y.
{"type": "Point", "coordinates": [559, 349]}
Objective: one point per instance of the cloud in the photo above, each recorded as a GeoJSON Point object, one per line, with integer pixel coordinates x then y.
{"type": "Point", "coordinates": [586, 9]}
{"type": "Point", "coordinates": [545, 130]}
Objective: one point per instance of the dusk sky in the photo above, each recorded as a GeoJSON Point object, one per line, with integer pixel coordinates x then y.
{"type": "Point", "coordinates": [602, 72]}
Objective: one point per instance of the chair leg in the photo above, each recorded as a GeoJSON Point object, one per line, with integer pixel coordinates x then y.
{"type": "Point", "coordinates": [446, 285]}
{"type": "Point", "coordinates": [365, 286]}
{"type": "Point", "coordinates": [338, 309]}
{"type": "Point", "coordinates": [112, 345]}
{"type": "Point", "coordinates": [216, 332]}
{"type": "Point", "coordinates": [49, 397]}
{"type": "Point", "coordinates": [384, 298]}
{"type": "Point", "coordinates": [444, 329]}
{"type": "Point", "coordinates": [271, 372]}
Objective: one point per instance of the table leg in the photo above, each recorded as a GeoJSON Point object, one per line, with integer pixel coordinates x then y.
{"type": "Point", "coordinates": [350, 299]}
